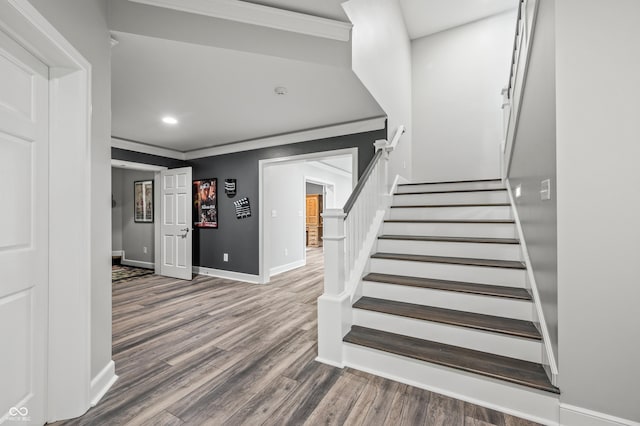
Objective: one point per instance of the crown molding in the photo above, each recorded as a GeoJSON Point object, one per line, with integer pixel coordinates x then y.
{"type": "Point", "coordinates": [349, 128]}
{"type": "Point", "coordinates": [255, 14]}
{"type": "Point", "coordinates": [146, 149]}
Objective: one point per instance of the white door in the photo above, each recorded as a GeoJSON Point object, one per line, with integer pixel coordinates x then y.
{"type": "Point", "coordinates": [175, 229]}
{"type": "Point", "coordinates": [24, 216]}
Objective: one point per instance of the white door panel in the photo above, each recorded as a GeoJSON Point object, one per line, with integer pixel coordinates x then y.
{"type": "Point", "coordinates": [175, 229]}
{"type": "Point", "coordinates": [24, 215]}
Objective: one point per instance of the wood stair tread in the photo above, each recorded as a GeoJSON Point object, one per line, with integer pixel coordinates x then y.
{"type": "Point", "coordinates": [451, 181]}
{"type": "Point", "coordinates": [492, 263]}
{"type": "Point", "coordinates": [495, 366]}
{"type": "Point", "coordinates": [451, 191]}
{"type": "Point", "coordinates": [450, 239]}
{"type": "Point", "coordinates": [507, 326]}
{"type": "Point", "coordinates": [424, 206]}
{"type": "Point", "coordinates": [450, 221]}
{"type": "Point", "coordinates": [454, 286]}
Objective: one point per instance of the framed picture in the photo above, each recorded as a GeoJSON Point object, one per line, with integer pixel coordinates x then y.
{"type": "Point", "coordinates": [205, 203]}
{"type": "Point", "coordinates": [143, 201]}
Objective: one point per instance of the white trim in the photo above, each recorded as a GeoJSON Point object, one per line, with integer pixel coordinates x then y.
{"type": "Point", "coordinates": [288, 267]}
{"type": "Point", "coordinates": [546, 339]}
{"type": "Point", "coordinates": [329, 362]}
{"type": "Point", "coordinates": [350, 128]}
{"type": "Point", "coordinates": [146, 149]}
{"type": "Point", "coordinates": [231, 275]}
{"type": "Point", "coordinates": [121, 164]}
{"type": "Point", "coordinates": [68, 371]}
{"type": "Point", "coordinates": [264, 16]}
{"type": "Point", "coordinates": [263, 272]}
{"type": "Point", "coordinates": [103, 382]}
{"type": "Point", "coordinates": [137, 263]}
{"type": "Point", "coordinates": [570, 415]}
{"type": "Point", "coordinates": [117, 253]}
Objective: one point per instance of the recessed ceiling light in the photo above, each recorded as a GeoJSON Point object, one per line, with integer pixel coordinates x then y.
{"type": "Point", "coordinates": [169, 120]}
{"type": "Point", "coordinates": [280, 90]}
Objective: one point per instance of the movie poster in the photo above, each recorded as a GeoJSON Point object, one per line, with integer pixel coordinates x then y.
{"type": "Point", "coordinates": [205, 203]}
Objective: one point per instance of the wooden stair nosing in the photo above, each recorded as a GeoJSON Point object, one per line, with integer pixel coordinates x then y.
{"type": "Point", "coordinates": [425, 206]}
{"type": "Point", "coordinates": [516, 293]}
{"type": "Point", "coordinates": [489, 263]}
{"type": "Point", "coordinates": [479, 240]}
{"type": "Point", "coordinates": [451, 181]}
{"type": "Point", "coordinates": [499, 367]}
{"type": "Point", "coordinates": [493, 221]}
{"type": "Point", "coordinates": [451, 191]}
{"type": "Point", "coordinates": [490, 323]}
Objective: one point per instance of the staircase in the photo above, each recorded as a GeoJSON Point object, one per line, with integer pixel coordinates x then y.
{"type": "Point", "coordinates": [445, 303]}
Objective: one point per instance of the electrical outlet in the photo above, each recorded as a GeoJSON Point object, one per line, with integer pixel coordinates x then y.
{"type": "Point", "coordinates": [286, 252]}
{"type": "Point", "coordinates": [225, 257]}
{"type": "Point", "coordinates": [274, 213]}
{"type": "Point", "coordinates": [144, 250]}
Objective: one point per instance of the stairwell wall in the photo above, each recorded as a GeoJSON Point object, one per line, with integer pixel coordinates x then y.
{"type": "Point", "coordinates": [534, 160]}
{"type": "Point", "coordinates": [457, 78]}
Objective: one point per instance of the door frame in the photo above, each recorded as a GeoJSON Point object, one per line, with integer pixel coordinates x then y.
{"type": "Point", "coordinates": [157, 192]}
{"type": "Point", "coordinates": [264, 235]}
{"type": "Point", "coordinates": [69, 388]}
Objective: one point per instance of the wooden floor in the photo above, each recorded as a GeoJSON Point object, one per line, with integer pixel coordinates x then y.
{"type": "Point", "coordinates": [219, 352]}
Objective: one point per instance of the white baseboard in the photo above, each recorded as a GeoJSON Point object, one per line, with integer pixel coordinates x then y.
{"type": "Point", "coordinates": [288, 267]}
{"type": "Point", "coordinates": [571, 415]}
{"type": "Point", "coordinates": [117, 253]}
{"type": "Point", "coordinates": [328, 362]}
{"type": "Point", "coordinates": [231, 275]}
{"type": "Point", "coordinates": [102, 382]}
{"type": "Point", "coordinates": [137, 263]}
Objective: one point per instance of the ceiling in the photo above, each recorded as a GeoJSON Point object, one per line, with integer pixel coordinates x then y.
{"type": "Point", "coordinates": [425, 17]}
{"type": "Point", "coordinates": [222, 96]}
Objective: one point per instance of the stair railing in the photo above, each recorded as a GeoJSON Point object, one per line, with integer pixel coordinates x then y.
{"type": "Point", "coordinates": [348, 233]}
{"type": "Point", "coordinates": [512, 92]}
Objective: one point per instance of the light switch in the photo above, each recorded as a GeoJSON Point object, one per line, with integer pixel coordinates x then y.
{"type": "Point", "coordinates": [274, 213]}
{"type": "Point", "coordinates": [225, 257]}
{"type": "Point", "coordinates": [545, 189]}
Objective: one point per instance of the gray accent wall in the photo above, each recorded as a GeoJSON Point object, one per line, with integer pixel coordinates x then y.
{"type": "Point", "coordinates": [141, 157]}
{"type": "Point", "coordinates": [135, 236]}
{"type": "Point", "coordinates": [240, 237]}
{"type": "Point", "coordinates": [534, 160]}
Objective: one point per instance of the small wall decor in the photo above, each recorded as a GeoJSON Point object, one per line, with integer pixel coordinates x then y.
{"type": "Point", "coordinates": [243, 208]}
{"type": "Point", "coordinates": [143, 201]}
{"type": "Point", "coordinates": [230, 187]}
{"type": "Point", "coordinates": [205, 203]}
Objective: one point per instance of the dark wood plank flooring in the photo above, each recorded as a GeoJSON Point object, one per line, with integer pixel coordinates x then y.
{"type": "Point", "coordinates": [219, 352]}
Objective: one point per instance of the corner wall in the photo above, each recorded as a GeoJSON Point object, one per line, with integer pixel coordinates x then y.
{"type": "Point", "coordinates": [457, 78]}
{"type": "Point", "coordinates": [598, 149]}
{"type": "Point", "coordinates": [84, 25]}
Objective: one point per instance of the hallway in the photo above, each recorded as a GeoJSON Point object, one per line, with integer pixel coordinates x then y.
{"type": "Point", "coordinates": [216, 351]}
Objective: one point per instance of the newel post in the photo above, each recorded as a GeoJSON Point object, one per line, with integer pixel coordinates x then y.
{"type": "Point", "coordinates": [333, 322]}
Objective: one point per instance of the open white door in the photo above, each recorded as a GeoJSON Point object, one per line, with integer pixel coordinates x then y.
{"type": "Point", "coordinates": [175, 219]}
{"type": "Point", "coordinates": [24, 227]}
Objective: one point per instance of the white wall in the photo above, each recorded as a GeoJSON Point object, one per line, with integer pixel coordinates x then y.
{"type": "Point", "coordinates": [534, 160]}
{"type": "Point", "coordinates": [83, 24]}
{"type": "Point", "coordinates": [457, 78]}
{"type": "Point", "coordinates": [284, 192]}
{"type": "Point", "coordinates": [598, 150]}
{"type": "Point", "coordinates": [381, 55]}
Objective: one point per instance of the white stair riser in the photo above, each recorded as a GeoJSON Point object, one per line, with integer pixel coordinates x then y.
{"type": "Point", "coordinates": [461, 186]}
{"type": "Point", "coordinates": [453, 249]}
{"type": "Point", "coordinates": [488, 305]}
{"type": "Point", "coordinates": [443, 271]}
{"type": "Point", "coordinates": [453, 213]}
{"type": "Point", "coordinates": [499, 344]}
{"type": "Point", "coordinates": [452, 198]}
{"type": "Point", "coordinates": [538, 406]}
{"type": "Point", "coordinates": [488, 230]}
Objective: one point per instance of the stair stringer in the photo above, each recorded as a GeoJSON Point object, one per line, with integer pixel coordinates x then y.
{"type": "Point", "coordinates": [548, 359]}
